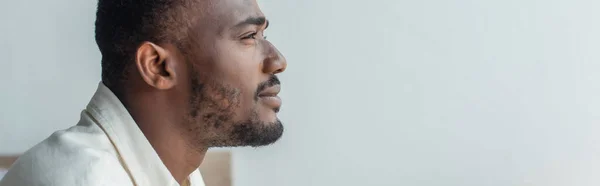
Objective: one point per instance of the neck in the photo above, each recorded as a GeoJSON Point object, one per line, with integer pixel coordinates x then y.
{"type": "Point", "coordinates": [174, 151]}
{"type": "Point", "coordinates": [162, 127]}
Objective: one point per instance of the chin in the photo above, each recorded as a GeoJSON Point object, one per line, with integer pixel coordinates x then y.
{"type": "Point", "coordinates": [268, 116]}
{"type": "Point", "coordinates": [271, 133]}
{"type": "Point", "coordinates": [262, 128]}
{"type": "Point", "coordinates": [269, 120]}
{"type": "Point", "coordinates": [258, 133]}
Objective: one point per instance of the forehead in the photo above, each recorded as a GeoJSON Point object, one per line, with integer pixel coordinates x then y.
{"type": "Point", "coordinates": [223, 14]}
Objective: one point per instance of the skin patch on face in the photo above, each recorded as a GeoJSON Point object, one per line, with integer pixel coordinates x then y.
{"type": "Point", "coordinates": [212, 109]}
{"type": "Point", "coordinates": [213, 102]}
{"type": "Point", "coordinates": [220, 103]}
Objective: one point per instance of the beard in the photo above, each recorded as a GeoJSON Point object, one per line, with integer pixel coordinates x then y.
{"type": "Point", "coordinates": [213, 107]}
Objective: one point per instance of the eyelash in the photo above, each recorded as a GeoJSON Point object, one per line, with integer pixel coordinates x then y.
{"type": "Point", "coordinates": [253, 36]}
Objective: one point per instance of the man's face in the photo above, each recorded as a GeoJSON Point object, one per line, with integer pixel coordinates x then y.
{"type": "Point", "coordinates": [230, 81]}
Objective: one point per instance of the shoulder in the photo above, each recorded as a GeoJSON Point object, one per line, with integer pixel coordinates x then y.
{"type": "Point", "coordinates": [81, 155]}
{"type": "Point", "coordinates": [92, 171]}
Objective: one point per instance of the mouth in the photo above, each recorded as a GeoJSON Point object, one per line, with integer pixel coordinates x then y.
{"type": "Point", "coordinates": [269, 97]}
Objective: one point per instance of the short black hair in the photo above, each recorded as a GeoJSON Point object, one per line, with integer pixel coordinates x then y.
{"type": "Point", "coordinates": [122, 25]}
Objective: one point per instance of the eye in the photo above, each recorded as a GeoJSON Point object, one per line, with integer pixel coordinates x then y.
{"type": "Point", "coordinates": [250, 36]}
{"type": "Point", "coordinates": [253, 36]}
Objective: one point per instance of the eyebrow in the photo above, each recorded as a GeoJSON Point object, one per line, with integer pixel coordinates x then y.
{"type": "Point", "coordinates": [258, 21]}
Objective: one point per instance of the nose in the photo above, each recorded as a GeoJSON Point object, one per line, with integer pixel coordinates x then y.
{"type": "Point", "coordinates": [274, 62]}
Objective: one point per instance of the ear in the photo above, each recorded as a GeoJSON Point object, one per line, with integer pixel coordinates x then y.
{"type": "Point", "coordinates": [156, 66]}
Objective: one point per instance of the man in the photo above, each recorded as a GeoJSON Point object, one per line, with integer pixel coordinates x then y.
{"type": "Point", "coordinates": [178, 77]}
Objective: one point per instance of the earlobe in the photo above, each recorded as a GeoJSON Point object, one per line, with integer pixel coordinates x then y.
{"type": "Point", "coordinates": [152, 61]}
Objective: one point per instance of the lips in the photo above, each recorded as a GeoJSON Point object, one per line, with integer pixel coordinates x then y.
{"type": "Point", "coordinates": [269, 97]}
{"type": "Point", "coordinates": [270, 92]}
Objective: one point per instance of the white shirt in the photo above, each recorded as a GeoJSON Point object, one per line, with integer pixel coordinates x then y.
{"type": "Point", "coordinates": [106, 147]}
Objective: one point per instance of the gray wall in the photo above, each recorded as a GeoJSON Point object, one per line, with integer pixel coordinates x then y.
{"type": "Point", "coordinates": [434, 92]}
{"type": "Point", "coordinates": [50, 68]}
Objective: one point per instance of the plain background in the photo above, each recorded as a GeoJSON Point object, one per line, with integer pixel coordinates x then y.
{"type": "Point", "coordinates": [380, 92]}
{"type": "Point", "coordinates": [50, 68]}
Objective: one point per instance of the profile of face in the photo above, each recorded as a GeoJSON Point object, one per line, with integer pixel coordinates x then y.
{"type": "Point", "coordinates": [227, 76]}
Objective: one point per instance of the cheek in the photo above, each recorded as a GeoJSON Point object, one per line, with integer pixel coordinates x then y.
{"type": "Point", "coordinates": [240, 62]}
{"type": "Point", "coordinates": [240, 66]}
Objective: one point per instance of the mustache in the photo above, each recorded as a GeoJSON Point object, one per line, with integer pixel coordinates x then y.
{"type": "Point", "coordinates": [273, 80]}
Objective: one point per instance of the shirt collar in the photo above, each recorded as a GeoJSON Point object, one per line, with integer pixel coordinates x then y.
{"type": "Point", "coordinates": [136, 153]}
